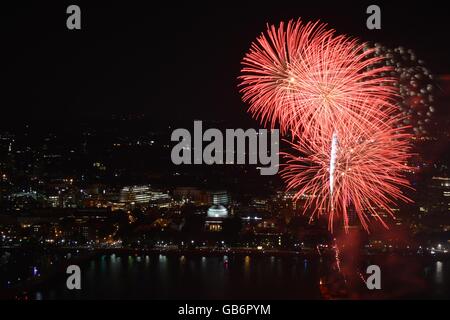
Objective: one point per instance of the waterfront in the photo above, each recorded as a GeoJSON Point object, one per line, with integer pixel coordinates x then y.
{"type": "Point", "coordinates": [158, 277]}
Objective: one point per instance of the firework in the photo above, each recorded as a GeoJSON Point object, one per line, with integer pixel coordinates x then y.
{"type": "Point", "coordinates": [335, 98]}
{"type": "Point", "coordinates": [304, 77]}
{"type": "Point", "coordinates": [415, 86]}
{"type": "Point", "coordinates": [363, 173]}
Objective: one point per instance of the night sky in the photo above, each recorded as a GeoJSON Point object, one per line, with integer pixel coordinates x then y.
{"type": "Point", "coordinates": [172, 60]}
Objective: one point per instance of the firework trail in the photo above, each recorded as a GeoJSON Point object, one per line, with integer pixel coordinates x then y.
{"type": "Point", "coordinates": [337, 255]}
{"type": "Point", "coordinates": [331, 96]}
{"type": "Point", "coordinates": [333, 153]}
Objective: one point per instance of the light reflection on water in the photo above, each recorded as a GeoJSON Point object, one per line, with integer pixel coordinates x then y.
{"type": "Point", "coordinates": [183, 277]}
{"type": "Point", "coordinates": [439, 272]}
{"type": "Point", "coordinates": [205, 277]}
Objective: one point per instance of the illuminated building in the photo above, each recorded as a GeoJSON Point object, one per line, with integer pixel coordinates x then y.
{"type": "Point", "coordinates": [136, 194]}
{"type": "Point", "coordinates": [220, 198]}
{"type": "Point", "coordinates": [215, 217]}
{"type": "Point", "coordinates": [439, 195]}
{"type": "Point", "coordinates": [141, 195]}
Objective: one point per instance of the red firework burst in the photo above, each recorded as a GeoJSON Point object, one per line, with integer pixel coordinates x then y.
{"type": "Point", "coordinates": [304, 77]}
{"type": "Point", "coordinates": [327, 92]}
{"type": "Point", "coordinates": [364, 173]}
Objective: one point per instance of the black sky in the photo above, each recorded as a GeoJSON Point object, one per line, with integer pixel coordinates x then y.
{"type": "Point", "coordinates": [172, 59]}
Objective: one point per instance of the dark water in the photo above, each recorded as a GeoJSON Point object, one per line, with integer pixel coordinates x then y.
{"type": "Point", "coordinates": [175, 277]}
{"type": "Point", "coordinates": [236, 277]}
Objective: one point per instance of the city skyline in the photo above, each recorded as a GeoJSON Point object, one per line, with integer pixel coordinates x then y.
{"type": "Point", "coordinates": [88, 177]}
